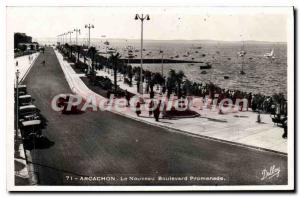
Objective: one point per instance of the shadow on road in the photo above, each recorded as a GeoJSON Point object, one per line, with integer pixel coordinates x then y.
{"type": "Point", "coordinates": [216, 120]}
{"type": "Point", "coordinates": [57, 169]}
{"type": "Point", "coordinates": [41, 142]}
{"type": "Point", "coordinates": [237, 116]}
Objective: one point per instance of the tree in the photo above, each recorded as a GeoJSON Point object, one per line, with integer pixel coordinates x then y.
{"type": "Point", "coordinates": [91, 53]}
{"type": "Point", "coordinates": [175, 80]}
{"type": "Point", "coordinates": [179, 78]}
{"type": "Point", "coordinates": [129, 73]}
{"type": "Point", "coordinates": [147, 74]}
{"type": "Point", "coordinates": [187, 87]}
{"type": "Point", "coordinates": [114, 60]}
{"type": "Point", "coordinates": [280, 100]}
{"type": "Point", "coordinates": [78, 50]}
{"type": "Point", "coordinates": [171, 81]}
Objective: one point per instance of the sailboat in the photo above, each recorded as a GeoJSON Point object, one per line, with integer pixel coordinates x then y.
{"type": "Point", "coordinates": [270, 55]}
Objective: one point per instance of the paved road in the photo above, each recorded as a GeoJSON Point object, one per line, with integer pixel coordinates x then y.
{"type": "Point", "coordinates": [100, 147]}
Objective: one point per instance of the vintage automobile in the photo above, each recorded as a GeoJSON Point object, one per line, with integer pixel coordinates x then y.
{"type": "Point", "coordinates": [25, 100]}
{"type": "Point", "coordinates": [22, 89]}
{"type": "Point", "coordinates": [31, 127]}
{"type": "Point", "coordinates": [27, 111]}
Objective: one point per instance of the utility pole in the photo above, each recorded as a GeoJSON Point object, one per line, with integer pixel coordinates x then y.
{"type": "Point", "coordinates": [141, 18]}
{"type": "Point", "coordinates": [162, 62]}
{"type": "Point", "coordinates": [77, 31]}
{"type": "Point", "coordinates": [17, 100]}
{"type": "Point", "coordinates": [89, 26]}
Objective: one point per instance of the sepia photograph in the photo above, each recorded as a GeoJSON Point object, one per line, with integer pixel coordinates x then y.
{"type": "Point", "coordinates": [149, 98]}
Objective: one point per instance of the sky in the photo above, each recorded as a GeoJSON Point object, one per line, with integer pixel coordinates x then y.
{"type": "Point", "coordinates": [170, 23]}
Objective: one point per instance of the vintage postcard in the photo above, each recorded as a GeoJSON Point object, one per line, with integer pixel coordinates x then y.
{"type": "Point", "coordinates": [150, 98]}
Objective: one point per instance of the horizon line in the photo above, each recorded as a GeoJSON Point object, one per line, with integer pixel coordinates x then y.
{"type": "Point", "coordinates": [152, 39]}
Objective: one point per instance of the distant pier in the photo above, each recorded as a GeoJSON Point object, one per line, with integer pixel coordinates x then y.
{"type": "Point", "coordinates": [157, 61]}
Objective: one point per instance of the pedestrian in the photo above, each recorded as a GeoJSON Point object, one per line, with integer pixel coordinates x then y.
{"type": "Point", "coordinates": [151, 104]}
{"type": "Point", "coordinates": [157, 112]}
{"type": "Point", "coordinates": [284, 130]}
{"type": "Point", "coordinates": [258, 117]}
{"type": "Point", "coordinates": [17, 63]}
{"type": "Point", "coordinates": [108, 93]}
{"type": "Point", "coordinates": [152, 94]}
{"type": "Point", "coordinates": [138, 108]}
{"type": "Point", "coordinates": [127, 96]}
{"type": "Point", "coordinates": [164, 110]}
{"type": "Point", "coordinates": [249, 100]}
{"type": "Point", "coordinates": [164, 89]}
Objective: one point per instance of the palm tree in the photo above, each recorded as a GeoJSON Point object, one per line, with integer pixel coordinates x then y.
{"type": "Point", "coordinates": [78, 49]}
{"type": "Point", "coordinates": [179, 78]}
{"type": "Point", "coordinates": [171, 81]}
{"type": "Point", "coordinates": [187, 87]}
{"type": "Point", "coordinates": [91, 53]}
{"type": "Point", "coordinates": [129, 73]}
{"type": "Point", "coordinates": [279, 100]}
{"type": "Point", "coordinates": [137, 73]}
{"type": "Point", "coordinates": [114, 60]}
{"type": "Point", "coordinates": [147, 74]}
{"type": "Point", "coordinates": [157, 78]}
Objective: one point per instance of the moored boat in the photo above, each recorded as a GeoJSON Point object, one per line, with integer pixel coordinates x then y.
{"type": "Point", "coordinates": [206, 66]}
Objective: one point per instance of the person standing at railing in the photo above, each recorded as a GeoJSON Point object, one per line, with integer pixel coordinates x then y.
{"type": "Point", "coordinates": [138, 108]}
{"type": "Point", "coordinates": [157, 112]}
{"type": "Point", "coordinates": [151, 105]}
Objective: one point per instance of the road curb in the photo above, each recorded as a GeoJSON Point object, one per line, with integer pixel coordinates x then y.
{"type": "Point", "coordinates": [29, 68]}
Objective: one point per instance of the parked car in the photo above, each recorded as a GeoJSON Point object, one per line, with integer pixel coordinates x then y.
{"type": "Point", "coordinates": [31, 127]}
{"type": "Point", "coordinates": [22, 89]}
{"type": "Point", "coordinates": [25, 100]}
{"type": "Point", "coordinates": [27, 110]}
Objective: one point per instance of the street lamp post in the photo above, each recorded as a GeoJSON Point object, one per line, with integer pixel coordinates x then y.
{"type": "Point", "coordinates": [141, 18]}
{"type": "Point", "coordinates": [59, 36]}
{"type": "Point", "coordinates": [70, 32]}
{"type": "Point", "coordinates": [162, 62]}
{"type": "Point", "coordinates": [89, 26]}
{"type": "Point", "coordinates": [17, 100]}
{"type": "Point", "coordinates": [77, 32]}
{"type": "Point", "coordinates": [64, 39]}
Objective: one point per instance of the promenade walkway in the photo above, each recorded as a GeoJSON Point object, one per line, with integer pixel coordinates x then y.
{"type": "Point", "coordinates": [236, 127]}
{"type": "Point", "coordinates": [104, 144]}
{"type": "Point", "coordinates": [24, 63]}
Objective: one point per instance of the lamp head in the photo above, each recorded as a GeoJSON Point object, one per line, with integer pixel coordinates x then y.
{"type": "Point", "coordinates": [85, 26]}
{"type": "Point", "coordinates": [136, 17]}
{"type": "Point", "coordinates": [92, 26]}
{"type": "Point", "coordinates": [147, 17]}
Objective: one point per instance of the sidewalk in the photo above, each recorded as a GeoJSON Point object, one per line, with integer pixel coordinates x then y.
{"type": "Point", "coordinates": [234, 127]}
{"type": "Point", "coordinates": [24, 64]}
{"type": "Point", "coordinates": [21, 170]}
{"type": "Point", "coordinates": [23, 176]}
